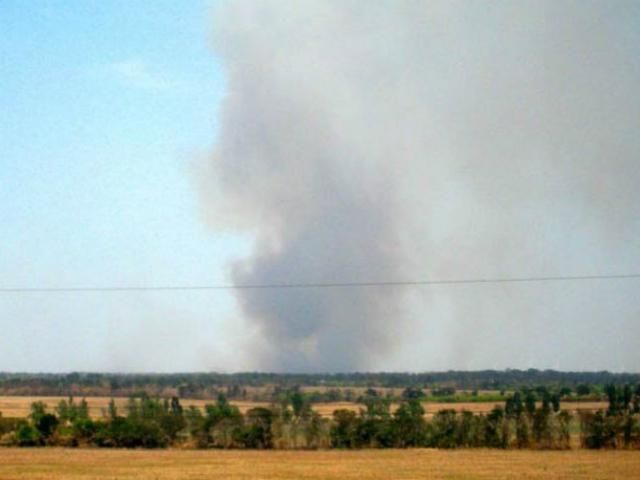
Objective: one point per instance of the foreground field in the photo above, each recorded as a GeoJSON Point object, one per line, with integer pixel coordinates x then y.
{"type": "Point", "coordinates": [49, 463]}
{"type": "Point", "coordinates": [19, 406]}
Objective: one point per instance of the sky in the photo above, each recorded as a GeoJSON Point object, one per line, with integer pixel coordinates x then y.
{"type": "Point", "coordinates": [105, 108]}
{"type": "Point", "coordinates": [155, 143]}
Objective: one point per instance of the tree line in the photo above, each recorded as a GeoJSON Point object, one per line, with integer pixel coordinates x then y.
{"type": "Point", "coordinates": [243, 385]}
{"type": "Point", "coordinates": [529, 419]}
{"type": "Point", "coordinates": [616, 427]}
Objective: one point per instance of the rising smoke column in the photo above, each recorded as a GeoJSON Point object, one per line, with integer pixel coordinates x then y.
{"type": "Point", "coordinates": [395, 140]}
{"type": "Point", "coordinates": [303, 160]}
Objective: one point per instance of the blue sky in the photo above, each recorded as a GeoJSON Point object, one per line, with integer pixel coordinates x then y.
{"type": "Point", "coordinates": [452, 141]}
{"type": "Point", "coordinates": [106, 105]}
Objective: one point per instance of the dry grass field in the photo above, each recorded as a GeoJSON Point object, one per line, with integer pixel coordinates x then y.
{"type": "Point", "coordinates": [50, 463]}
{"type": "Point", "coordinates": [19, 406]}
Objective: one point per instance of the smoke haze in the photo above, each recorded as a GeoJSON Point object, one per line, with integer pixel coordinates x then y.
{"type": "Point", "coordinates": [411, 140]}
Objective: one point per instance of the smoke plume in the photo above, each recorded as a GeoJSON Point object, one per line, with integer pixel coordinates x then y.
{"type": "Point", "coordinates": [372, 141]}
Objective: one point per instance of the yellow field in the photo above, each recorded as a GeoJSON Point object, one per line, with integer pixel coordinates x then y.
{"type": "Point", "coordinates": [50, 463]}
{"type": "Point", "coordinates": [19, 406]}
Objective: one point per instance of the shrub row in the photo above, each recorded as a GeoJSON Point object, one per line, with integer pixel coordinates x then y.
{"type": "Point", "coordinates": [529, 419]}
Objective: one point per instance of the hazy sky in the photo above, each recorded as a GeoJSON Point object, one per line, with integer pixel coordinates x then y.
{"type": "Point", "coordinates": [188, 143]}
{"type": "Point", "coordinates": [105, 108]}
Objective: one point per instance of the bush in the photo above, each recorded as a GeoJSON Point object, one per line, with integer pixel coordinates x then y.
{"type": "Point", "coordinates": [46, 425]}
{"type": "Point", "coordinates": [343, 430]}
{"type": "Point", "coordinates": [10, 424]}
{"type": "Point", "coordinates": [27, 436]}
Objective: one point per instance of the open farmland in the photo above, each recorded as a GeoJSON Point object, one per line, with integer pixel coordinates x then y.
{"type": "Point", "coordinates": [53, 463]}
{"type": "Point", "coordinates": [19, 406]}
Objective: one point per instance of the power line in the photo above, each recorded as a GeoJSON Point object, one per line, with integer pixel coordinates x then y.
{"type": "Point", "coordinates": [471, 281]}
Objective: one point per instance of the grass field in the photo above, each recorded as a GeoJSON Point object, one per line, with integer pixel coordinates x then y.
{"type": "Point", "coordinates": [51, 463]}
{"type": "Point", "coordinates": [19, 406]}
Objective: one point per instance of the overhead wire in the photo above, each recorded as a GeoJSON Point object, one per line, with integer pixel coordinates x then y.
{"type": "Point", "coordinates": [312, 285]}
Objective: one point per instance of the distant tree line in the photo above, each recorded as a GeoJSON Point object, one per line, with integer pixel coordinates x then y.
{"type": "Point", "coordinates": [529, 419]}
{"type": "Point", "coordinates": [235, 386]}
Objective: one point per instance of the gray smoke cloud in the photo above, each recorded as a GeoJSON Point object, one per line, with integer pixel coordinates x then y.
{"type": "Point", "coordinates": [405, 140]}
